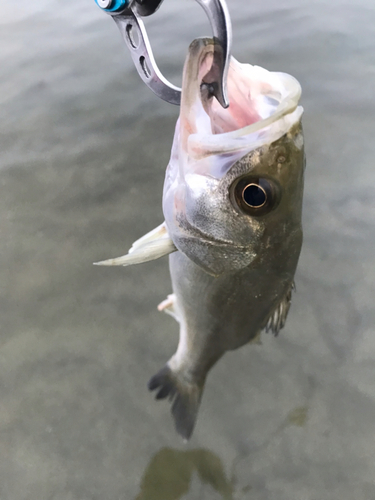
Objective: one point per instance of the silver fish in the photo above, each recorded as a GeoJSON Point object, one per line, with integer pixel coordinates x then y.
{"type": "Point", "coordinates": [232, 203]}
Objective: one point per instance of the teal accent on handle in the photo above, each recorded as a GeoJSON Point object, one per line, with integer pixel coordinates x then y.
{"type": "Point", "coordinates": [116, 5]}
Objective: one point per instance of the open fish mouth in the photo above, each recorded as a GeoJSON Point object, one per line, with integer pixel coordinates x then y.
{"type": "Point", "coordinates": [263, 105]}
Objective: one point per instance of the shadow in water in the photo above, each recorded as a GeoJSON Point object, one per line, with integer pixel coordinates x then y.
{"type": "Point", "coordinates": [169, 473]}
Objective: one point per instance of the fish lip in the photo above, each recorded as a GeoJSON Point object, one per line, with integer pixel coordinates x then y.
{"type": "Point", "coordinates": [202, 146]}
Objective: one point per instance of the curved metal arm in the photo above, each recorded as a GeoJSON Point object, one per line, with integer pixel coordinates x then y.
{"type": "Point", "coordinates": [134, 33]}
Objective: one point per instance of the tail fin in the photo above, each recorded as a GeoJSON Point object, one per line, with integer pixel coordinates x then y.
{"type": "Point", "coordinates": [185, 397]}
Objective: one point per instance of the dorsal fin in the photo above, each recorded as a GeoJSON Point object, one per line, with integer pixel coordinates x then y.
{"type": "Point", "coordinates": [277, 318]}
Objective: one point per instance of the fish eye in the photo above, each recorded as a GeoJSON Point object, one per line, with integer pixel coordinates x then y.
{"type": "Point", "coordinates": [254, 195]}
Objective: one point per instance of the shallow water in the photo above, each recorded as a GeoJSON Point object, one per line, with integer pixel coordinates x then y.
{"type": "Point", "coordinates": [84, 146]}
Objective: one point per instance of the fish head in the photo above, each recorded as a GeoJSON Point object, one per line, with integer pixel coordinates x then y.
{"type": "Point", "coordinates": [234, 184]}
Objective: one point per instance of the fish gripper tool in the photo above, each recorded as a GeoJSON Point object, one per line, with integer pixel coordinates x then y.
{"type": "Point", "coordinates": [127, 16]}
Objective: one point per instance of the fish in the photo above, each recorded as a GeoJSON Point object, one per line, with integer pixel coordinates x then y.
{"type": "Point", "coordinates": [232, 202]}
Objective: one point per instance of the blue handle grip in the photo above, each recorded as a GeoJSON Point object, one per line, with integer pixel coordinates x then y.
{"type": "Point", "coordinates": [115, 6]}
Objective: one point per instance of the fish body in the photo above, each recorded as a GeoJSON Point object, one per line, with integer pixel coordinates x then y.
{"type": "Point", "coordinates": [232, 203]}
{"type": "Point", "coordinates": [232, 275]}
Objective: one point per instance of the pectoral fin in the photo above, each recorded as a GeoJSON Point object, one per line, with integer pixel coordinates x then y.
{"type": "Point", "coordinates": [151, 246]}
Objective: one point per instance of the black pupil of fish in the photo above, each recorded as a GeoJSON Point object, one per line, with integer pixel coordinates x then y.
{"type": "Point", "coordinates": [254, 196]}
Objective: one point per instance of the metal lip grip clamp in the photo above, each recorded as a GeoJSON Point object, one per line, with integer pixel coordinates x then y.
{"type": "Point", "coordinates": [127, 15]}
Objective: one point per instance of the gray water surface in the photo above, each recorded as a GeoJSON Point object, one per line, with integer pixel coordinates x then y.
{"type": "Point", "coordinates": [84, 146]}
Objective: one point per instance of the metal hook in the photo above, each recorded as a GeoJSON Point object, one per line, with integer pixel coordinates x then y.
{"type": "Point", "coordinates": [127, 14]}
